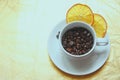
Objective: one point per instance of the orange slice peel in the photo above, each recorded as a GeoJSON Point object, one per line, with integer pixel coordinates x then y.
{"type": "Point", "coordinates": [99, 25]}
{"type": "Point", "coordinates": [80, 12]}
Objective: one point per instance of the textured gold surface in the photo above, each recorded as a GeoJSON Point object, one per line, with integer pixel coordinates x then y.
{"type": "Point", "coordinates": [24, 29]}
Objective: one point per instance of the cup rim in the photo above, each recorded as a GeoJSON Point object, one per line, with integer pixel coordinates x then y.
{"type": "Point", "coordinates": [94, 43]}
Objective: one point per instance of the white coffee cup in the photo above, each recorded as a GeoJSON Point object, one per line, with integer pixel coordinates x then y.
{"type": "Point", "coordinates": [96, 41]}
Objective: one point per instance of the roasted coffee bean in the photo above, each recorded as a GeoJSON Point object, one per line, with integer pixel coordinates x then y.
{"type": "Point", "coordinates": [77, 41]}
{"type": "Point", "coordinates": [78, 47]}
{"type": "Point", "coordinates": [78, 37]}
{"type": "Point", "coordinates": [82, 39]}
{"type": "Point", "coordinates": [77, 33]}
{"type": "Point", "coordinates": [88, 34]}
{"type": "Point", "coordinates": [69, 49]}
{"type": "Point", "coordinates": [71, 43]}
{"type": "Point", "coordinates": [85, 32]}
{"type": "Point", "coordinates": [65, 42]}
{"type": "Point", "coordinates": [74, 38]}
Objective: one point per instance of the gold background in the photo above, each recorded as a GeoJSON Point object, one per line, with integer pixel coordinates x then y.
{"type": "Point", "coordinates": [25, 26]}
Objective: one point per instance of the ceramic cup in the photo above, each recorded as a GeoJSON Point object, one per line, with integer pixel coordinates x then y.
{"type": "Point", "coordinates": [96, 41]}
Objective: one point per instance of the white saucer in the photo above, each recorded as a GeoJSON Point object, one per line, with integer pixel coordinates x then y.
{"type": "Point", "coordinates": [83, 67]}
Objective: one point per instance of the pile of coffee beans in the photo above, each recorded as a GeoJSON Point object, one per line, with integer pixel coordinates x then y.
{"type": "Point", "coordinates": [77, 41]}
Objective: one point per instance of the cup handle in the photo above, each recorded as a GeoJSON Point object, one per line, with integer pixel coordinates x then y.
{"type": "Point", "coordinates": [57, 36]}
{"type": "Point", "coordinates": [101, 42]}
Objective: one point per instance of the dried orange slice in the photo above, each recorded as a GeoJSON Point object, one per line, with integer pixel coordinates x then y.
{"type": "Point", "coordinates": [80, 12]}
{"type": "Point", "coordinates": [99, 25]}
